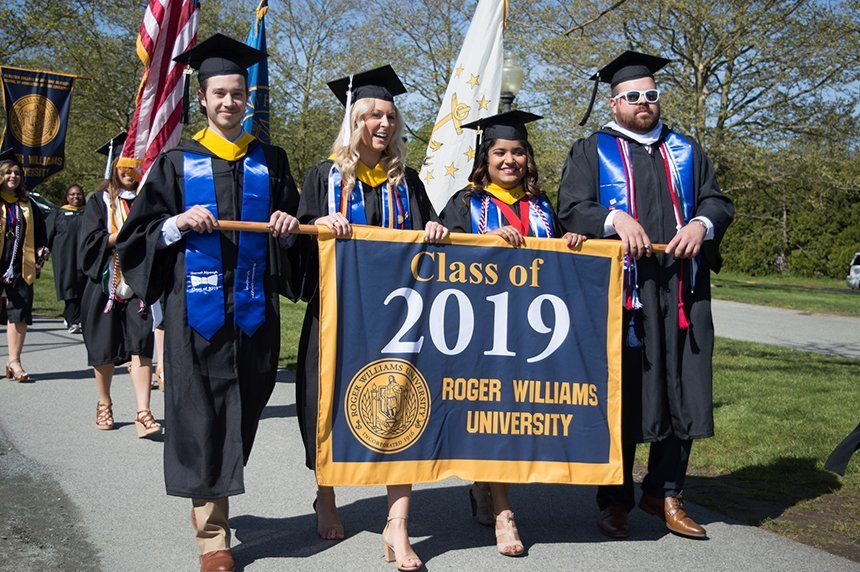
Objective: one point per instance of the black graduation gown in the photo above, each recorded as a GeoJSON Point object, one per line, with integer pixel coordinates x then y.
{"type": "Point", "coordinates": [457, 214]}
{"type": "Point", "coordinates": [314, 204]}
{"type": "Point", "coordinates": [20, 294]}
{"type": "Point", "coordinates": [113, 337]}
{"type": "Point", "coordinates": [216, 389]}
{"type": "Point", "coordinates": [667, 384]}
{"type": "Point", "coordinates": [63, 228]}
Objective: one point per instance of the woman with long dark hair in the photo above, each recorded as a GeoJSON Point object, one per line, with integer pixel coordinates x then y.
{"type": "Point", "coordinates": [22, 239]}
{"type": "Point", "coordinates": [503, 198]}
{"type": "Point", "coordinates": [117, 325]}
{"type": "Point", "coordinates": [365, 181]}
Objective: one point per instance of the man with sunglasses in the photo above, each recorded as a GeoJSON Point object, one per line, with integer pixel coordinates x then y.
{"type": "Point", "coordinates": [641, 182]}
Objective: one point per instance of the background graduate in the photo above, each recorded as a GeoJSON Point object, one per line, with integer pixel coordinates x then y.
{"type": "Point", "coordinates": [503, 198]}
{"type": "Point", "coordinates": [69, 281]}
{"type": "Point", "coordinates": [117, 325]}
{"type": "Point", "coordinates": [222, 330]}
{"type": "Point", "coordinates": [22, 238]}
{"type": "Point", "coordinates": [365, 181]}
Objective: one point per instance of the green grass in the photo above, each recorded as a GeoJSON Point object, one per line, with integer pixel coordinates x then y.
{"type": "Point", "coordinates": [778, 414]}
{"type": "Point", "coordinates": [825, 295]}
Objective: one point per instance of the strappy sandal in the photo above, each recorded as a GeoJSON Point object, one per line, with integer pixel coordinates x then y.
{"type": "Point", "coordinates": [104, 416]}
{"type": "Point", "coordinates": [508, 541]}
{"type": "Point", "coordinates": [146, 424]}
{"type": "Point", "coordinates": [388, 551]}
{"type": "Point", "coordinates": [332, 531]}
{"type": "Point", "coordinates": [482, 504]}
{"type": "Point", "coordinates": [18, 374]}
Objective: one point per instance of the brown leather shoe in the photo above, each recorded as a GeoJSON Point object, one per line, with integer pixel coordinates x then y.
{"type": "Point", "coordinates": [614, 522]}
{"type": "Point", "coordinates": [671, 511]}
{"type": "Point", "coordinates": [217, 561]}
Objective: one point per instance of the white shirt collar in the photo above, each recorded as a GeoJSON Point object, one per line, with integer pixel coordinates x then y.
{"type": "Point", "coordinates": [642, 138]}
{"type": "Point", "coordinates": [127, 195]}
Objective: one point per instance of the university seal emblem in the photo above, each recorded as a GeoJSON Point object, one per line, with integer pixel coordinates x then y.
{"type": "Point", "coordinates": [387, 405]}
{"type": "Point", "coordinates": [34, 120]}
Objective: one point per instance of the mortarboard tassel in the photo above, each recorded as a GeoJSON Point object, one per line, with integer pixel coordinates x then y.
{"type": "Point", "coordinates": [591, 103]}
{"type": "Point", "coordinates": [185, 89]}
{"type": "Point", "coordinates": [346, 125]}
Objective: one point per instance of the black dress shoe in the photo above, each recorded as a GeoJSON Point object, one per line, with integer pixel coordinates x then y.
{"type": "Point", "coordinates": [671, 511]}
{"type": "Point", "coordinates": [614, 522]}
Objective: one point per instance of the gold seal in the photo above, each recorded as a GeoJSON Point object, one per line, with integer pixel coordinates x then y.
{"type": "Point", "coordinates": [34, 120]}
{"type": "Point", "coordinates": [387, 405]}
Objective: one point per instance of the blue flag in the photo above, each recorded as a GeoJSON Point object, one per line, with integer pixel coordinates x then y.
{"type": "Point", "coordinates": [37, 113]}
{"type": "Point", "coordinates": [256, 120]}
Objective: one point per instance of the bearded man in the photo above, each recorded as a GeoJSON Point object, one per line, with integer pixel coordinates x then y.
{"type": "Point", "coordinates": [639, 181]}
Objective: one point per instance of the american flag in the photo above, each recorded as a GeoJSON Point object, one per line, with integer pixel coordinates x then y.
{"type": "Point", "coordinates": [169, 28]}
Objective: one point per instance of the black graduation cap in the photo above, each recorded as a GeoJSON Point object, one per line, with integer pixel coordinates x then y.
{"type": "Point", "coordinates": [110, 148]}
{"type": "Point", "coordinates": [220, 55]}
{"type": "Point", "coordinates": [510, 125]}
{"type": "Point", "coordinates": [379, 83]}
{"type": "Point", "coordinates": [628, 66]}
{"type": "Point", "coordinates": [217, 55]}
{"type": "Point", "coordinates": [10, 155]}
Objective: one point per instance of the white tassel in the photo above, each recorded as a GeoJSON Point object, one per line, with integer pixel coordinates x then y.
{"type": "Point", "coordinates": [346, 125]}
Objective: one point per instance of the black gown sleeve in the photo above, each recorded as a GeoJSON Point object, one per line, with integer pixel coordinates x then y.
{"type": "Point", "coordinates": [713, 204]}
{"type": "Point", "coordinates": [147, 267]}
{"type": "Point", "coordinates": [93, 239]}
{"type": "Point", "coordinates": [51, 227]}
{"type": "Point", "coordinates": [578, 208]}
{"type": "Point", "coordinates": [456, 216]}
{"type": "Point", "coordinates": [420, 201]}
{"type": "Point", "coordinates": [287, 253]}
{"type": "Point", "coordinates": [40, 233]}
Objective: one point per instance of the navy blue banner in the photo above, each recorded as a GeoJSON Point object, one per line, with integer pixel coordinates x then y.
{"type": "Point", "coordinates": [485, 362]}
{"type": "Point", "coordinates": [37, 111]}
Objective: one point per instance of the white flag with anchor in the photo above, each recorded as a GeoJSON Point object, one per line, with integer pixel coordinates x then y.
{"type": "Point", "coordinates": [473, 92]}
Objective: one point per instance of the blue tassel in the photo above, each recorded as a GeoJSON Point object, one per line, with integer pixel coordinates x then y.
{"type": "Point", "coordinates": [633, 340]}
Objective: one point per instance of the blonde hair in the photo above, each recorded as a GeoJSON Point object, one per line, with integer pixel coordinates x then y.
{"type": "Point", "coordinates": [113, 185]}
{"type": "Point", "coordinates": [20, 190]}
{"type": "Point", "coordinates": [393, 158]}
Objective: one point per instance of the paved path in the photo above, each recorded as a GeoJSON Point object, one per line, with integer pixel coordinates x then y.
{"type": "Point", "coordinates": [823, 333]}
{"type": "Point", "coordinates": [111, 484]}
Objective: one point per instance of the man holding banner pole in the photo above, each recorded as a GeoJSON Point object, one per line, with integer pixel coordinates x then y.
{"type": "Point", "coordinates": [219, 288]}
{"type": "Point", "coordinates": [639, 180]}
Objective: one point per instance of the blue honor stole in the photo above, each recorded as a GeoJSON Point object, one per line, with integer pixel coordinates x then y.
{"type": "Point", "coordinates": [486, 216]}
{"type": "Point", "coordinates": [617, 190]}
{"type": "Point", "coordinates": [204, 270]}
{"type": "Point", "coordinates": [395, 206]}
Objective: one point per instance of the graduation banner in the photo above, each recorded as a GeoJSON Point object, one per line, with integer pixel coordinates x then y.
{"type": "Point", "coordinates": [37, 112]}
{"type": "Point", "coordinates": [471, 359]}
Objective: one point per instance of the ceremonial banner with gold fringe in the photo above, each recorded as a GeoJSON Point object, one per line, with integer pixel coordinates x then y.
{"type": "Point", "coordinates": [470, 359]}
{"type": "Point", "coordinates": [37, 107]}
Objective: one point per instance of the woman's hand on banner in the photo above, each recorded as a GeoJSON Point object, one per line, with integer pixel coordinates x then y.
{"type": "Point", "coordinates": [435, 232]}
{"type": "Point", "coordinates": [337, 224]}
{"type": "Point", "coordinates": [282, 223]}
{"type": "Point", "coordinates": [574, 240]}
{"type": "Point", "coordinates": [198, 218]}
{"type": "Point", "coordinates": [511, 235]}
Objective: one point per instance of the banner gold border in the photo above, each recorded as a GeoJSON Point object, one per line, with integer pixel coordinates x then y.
{"type": "Point", "coordinates": [329, 473]}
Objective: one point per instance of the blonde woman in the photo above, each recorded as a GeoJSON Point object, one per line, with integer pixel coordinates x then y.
{"type": "Point", "coordinates": [22, 238]}
{"type": "Point", "coordinates": [117, 325]}
{"type": "Point", "coordinates": [365, 181]}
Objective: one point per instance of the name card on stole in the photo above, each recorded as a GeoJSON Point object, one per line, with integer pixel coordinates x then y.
{"type": "Point", "coordinates": [470, 359]}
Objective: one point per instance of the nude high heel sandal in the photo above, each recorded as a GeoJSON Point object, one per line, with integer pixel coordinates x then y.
{"type": "Point", "coordinates": [388, 551]}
